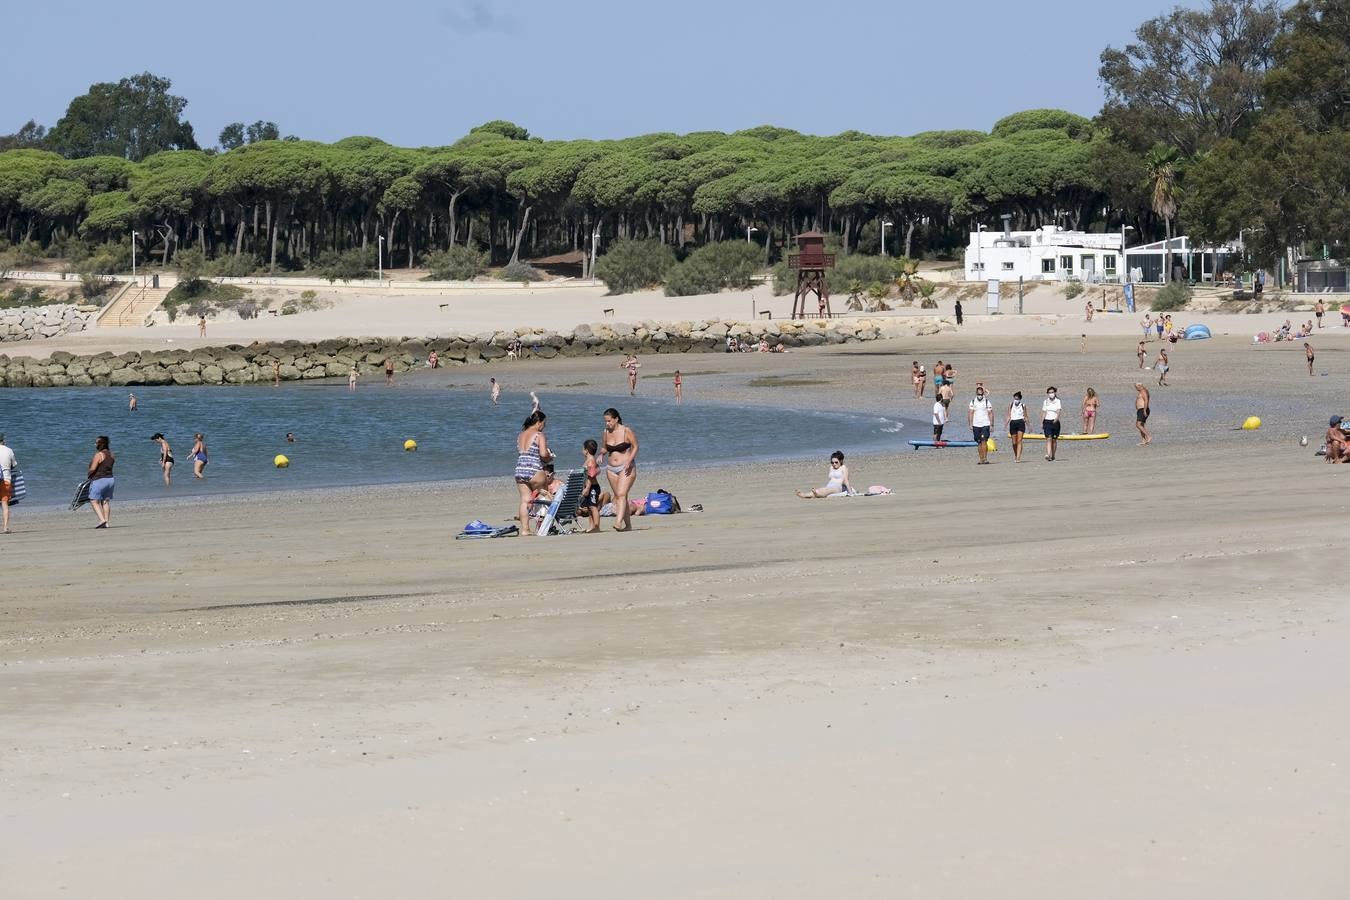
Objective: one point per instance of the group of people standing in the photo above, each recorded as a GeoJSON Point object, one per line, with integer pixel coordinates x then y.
{"type": "Point", "coordinates": [618, 459]}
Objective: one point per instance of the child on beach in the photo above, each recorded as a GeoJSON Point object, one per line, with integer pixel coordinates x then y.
{"type": "Point", "coordinates": [590, 495]}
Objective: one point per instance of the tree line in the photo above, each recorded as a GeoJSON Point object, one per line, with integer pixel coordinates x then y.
{"type": "Point", "coordinates": [1225, 120]}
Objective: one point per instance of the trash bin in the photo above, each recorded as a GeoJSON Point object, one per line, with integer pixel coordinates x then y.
{"type": "Point", "coordinates": [154, 281]}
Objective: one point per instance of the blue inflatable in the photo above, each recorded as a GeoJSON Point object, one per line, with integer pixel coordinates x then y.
{"type": "Point", "coordinates": [1197, 332]}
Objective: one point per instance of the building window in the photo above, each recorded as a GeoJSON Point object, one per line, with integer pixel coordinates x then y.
{"type": "Point", "coordinates": [1047, 266]}
{"type": "Point", "coordinates": [978, 266]}
{"type": "Point", "coordinates": [1109, 263]}
{"type": "Point", "coordinates": [1007, 267]}
{"type": "Point", "coordinates": [1066, 263]}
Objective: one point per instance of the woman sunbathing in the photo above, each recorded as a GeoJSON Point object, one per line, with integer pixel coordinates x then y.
{"type": "Point", "coordinates": [836, 482]}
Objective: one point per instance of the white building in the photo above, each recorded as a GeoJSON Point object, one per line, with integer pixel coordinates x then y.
{"type": "Point", "coordinates": [1046, 254]}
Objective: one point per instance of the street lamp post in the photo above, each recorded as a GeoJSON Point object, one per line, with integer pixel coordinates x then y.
{"type": "Point", "coordinates": [379, 261]}
{"type": "Point", "coordinates": [884, 225]}
{"type": "Point", "coordinates": [1124, 266]}
{"type": "Point", "coordinates": [595, 242]}
{"type": "Point", "coordinates": [749, 230]}
{"type": "Point", "coordinates": [979, 248]}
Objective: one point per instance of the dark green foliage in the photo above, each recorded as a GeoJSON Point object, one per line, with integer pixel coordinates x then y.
{"type": "Point", "coordinates": [634, 265]}
{"type": "Point", "coordinates": [134, 118]}
{"type": "Point", "coordinates": [348, 265]}
{"type": "Point", "coordinates": [26, 296]}
{"type": "Point", "coordinates": [1171, 296]}
{"type": "Point", "coordinates": [520, 271]}
{"type": "Point", "coordinates": [458, 263]}
{"type": "Point", "coordinates": [713, 267]}
{"type": "Point", "coordinates": [199, 298]}
{"type": "Point", "coordinates": [867, 269]}
{"type": "Point", "coordinates": [1073, 289]}
{"type": "Point", "coordinates": [232, 266]}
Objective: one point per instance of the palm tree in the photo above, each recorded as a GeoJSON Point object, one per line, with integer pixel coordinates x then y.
{"type": "Point", "coordinates": [1161, 166]}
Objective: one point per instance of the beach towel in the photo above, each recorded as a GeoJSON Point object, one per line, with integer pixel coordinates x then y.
{"type": "Point", "coordinates": [17, 489]}
{"type": "Point", "coordinates": [480, 529]}
{"type": "Point", "coordinates": [81, 495]}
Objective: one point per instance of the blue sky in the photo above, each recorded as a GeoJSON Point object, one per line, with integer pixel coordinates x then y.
{"type": "Point", "coordinates": [422, 72]}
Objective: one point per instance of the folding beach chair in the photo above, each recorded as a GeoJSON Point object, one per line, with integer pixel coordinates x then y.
{"type": "Point", "coordinates": [561, 517]}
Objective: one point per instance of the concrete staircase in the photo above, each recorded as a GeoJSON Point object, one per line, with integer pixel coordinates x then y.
{"type": "Point", "coordinates": [132, 307]}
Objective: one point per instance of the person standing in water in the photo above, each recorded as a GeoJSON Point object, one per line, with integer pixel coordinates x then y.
{"type": "Point", "coordinates": [1017, 424]}
{"type": "Point", "coordinates": [531, 454]}
{"type": "Point", "coordinates": [496, 390]}
{"type": "Point", "coordinates": [388, 371]}
{"type": "Point", "coordinates": [101, 483]}
{"type": "Point", "coordinates": [632, 365]}
{"type": "Point", "coordinates": [1050, 410]}
{"type": "Point", "coordinates": [199, 459]}
{"type": "Point", "coordinates": [351, 378]}
{"type": "Point", "coordinates": [534, 399]}
{"type": "Point", "coordinates": [165, 457]}
{"type": "Point", "coordinates": [620, 444]}
{"type": "Point", "coordinates": [276, 373]}
{"type": "Point", "coordinates": [1141, 413]}
{"type": "Point", "coordinates": [1308, 352]}
{"type": "Point", "coordinates": [131, 403]}
{"type": "Point", "coordinates": [679, 388]}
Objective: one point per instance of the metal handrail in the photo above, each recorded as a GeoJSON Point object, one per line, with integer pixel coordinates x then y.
{"type": "Point", "coordinates": [131, 304]}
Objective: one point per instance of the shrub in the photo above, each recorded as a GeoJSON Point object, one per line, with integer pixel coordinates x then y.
{"type": "Point", "coordinates": [712, 267]}
{"type": "Point", "coordinates": [867, 269]}
{"type": "Point", "coordinates": [26, 253]}
{"type": "Point", "coordinates": [519, 271]}
{"type": "Point", "coordinates": [347, 265]}
{"type": "Point", "coordinates": [1073, 289]}
{"type": "Point", "coordinates": [457, 264]}
{"type": "Point", "coordinates": [95, 287]}
{"type": "Point", "coordinates": [784, 280]}
{"type": "Point", "coordinates": [230, 266]}
{"type": "Point", "coordinates": [190, 266]}
{"type": "Point", "coordinates": [200, 298]}
{"type": "Point", "coordinates": [1172, 296]}
{"type": "Point", "coordinates": [308, 295]}
{"type": "Point", "coordinates": [634, 265]}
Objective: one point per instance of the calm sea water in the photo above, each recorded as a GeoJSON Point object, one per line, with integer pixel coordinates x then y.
{"type": "Point", "coordinates": [345, 438]}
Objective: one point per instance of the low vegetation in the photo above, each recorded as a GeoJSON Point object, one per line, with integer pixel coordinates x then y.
{"type": "Point", "coordinates": [634, 265]}
{"type": "Point", "coordinates": [456, 264]}
{"type": "Point", "coordinates": [714, 267]}
{"type": "Point", "coordinates": [207, 298]}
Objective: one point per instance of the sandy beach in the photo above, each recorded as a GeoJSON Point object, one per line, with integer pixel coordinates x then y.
{"type": "Point", "coordinates": [1118, 675]}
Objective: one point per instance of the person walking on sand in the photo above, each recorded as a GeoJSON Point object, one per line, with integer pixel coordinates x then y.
{"type": "Point", "coordinates": [1308, 352]}
{"type": "Point", "coordinates": [199, 458]}
{"type": "Point", "coordinates": [679, 388]}
{"type": "Point", "coordinates": [589, 505]}
{"type": "Point", "coordinates": [1141, 413]}
{"type": "Point", "coordinates": [980, 416]}
{"type": "Point", "coordinates": [496, 390]}
{"type": "Point", "coordinates": [1141, 353]}
{"type": "Point", "coordinates": [388, 371]}
{"type": "Point", "coordinates": [960, 313]}
{"type": "Point", "coordinates": [201, 326]}
{"type": "Point", "coordinates": [165, 457]}
{"type": "Point", "coordinates": [1148, 327]}
{"type": "Point", "coordinates": [939, 420]}
{"type": "Point", "coordinates": [1089, 310]}
{"type": "Point", "coordinates": [1162, 366]}
{"type": "Point", "coordinates": [132, 403]}
{"type": "Point", "coordinates": [621, 449]}
{"type": "Point", "coordinates": [1050, 410]}
{"type": "Point", "coordinates": [351, 378]}
{"type": "Point", "coordinates": [1319, 310]}
{"type": "Point", "coordinates": [914, 378]}
{"type": "Point", "coordinates": [836, 482]}
{"type": "Point", "coordinates": [1091, 404]}
{"type": "Point", "coordinates": [1017, 424]}
{"type": "Point", "coordinates": [8, 464]}
{"type": "Point", "coordinates": [531, 454]}
{"type": "Point", "coordinates": [101, 483]}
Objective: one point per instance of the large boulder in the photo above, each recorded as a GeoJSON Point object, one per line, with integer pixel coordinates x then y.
{"type": "Point", "coordinates": [212, 374]}
{"type": "Point", "coordinates": [123, 377]}
{"type": "Point", "coordinates": [187, 378]}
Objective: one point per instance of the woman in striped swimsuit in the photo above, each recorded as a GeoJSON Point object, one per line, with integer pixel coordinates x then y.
{"type": "Point", "coordinates": [532, 452]}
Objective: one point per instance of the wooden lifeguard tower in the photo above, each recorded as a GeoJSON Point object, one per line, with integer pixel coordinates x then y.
{"type": "Point", "coordinates": [811, 262]}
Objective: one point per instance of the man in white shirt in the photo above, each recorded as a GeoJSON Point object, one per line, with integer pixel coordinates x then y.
{"type": "Point", "coordinates": [981, 417]}
{"type": "Point", "coordinates": [7, 464]}
{"type": "Point", "coordinates": [1050, 422]}
{"type": "Point", "coordinates": [939, 420]}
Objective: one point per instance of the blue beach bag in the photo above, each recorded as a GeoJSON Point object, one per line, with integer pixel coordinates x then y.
{"type": "Point", "coordinates": [662, 503]}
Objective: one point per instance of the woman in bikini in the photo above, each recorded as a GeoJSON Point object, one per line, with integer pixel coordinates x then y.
{"type": "Point", "coordinates": [915, 377]}
{"type": "Point", "coordinates": [531, 454]}
{"type": "Point", "coordinates": [620, 444]}
{"type": "Point", "coordinates": [199, 459]}
{"type": "Point", "coordinates": [836, 482]}
{"type": "Point", "coordinates": [632, 365]}
{"type": "Point", "coordinates": [165, 457]}
{"type": "Point", "coordinates": [1091, 403]}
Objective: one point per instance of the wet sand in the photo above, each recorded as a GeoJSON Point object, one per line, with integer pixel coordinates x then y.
{"type": "Point", "coordinates": [1120, 674]}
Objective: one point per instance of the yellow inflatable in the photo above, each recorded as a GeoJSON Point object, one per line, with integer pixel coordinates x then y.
{"type": "Point", "coordinates": [280, 461]}
{"type": "Point", "coordinates": [992, 445]}
{"type": "Point", "coordinates": [1252, 423]}
{"type": "Point", "coordinates": [410, 445]}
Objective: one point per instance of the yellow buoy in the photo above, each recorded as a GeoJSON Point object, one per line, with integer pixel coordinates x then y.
{"type": "Point", "coordinates": [410, 445]}
{"type": "Point", "coordinates": [1252, 423]}
{"type": "Point", "coordinates": [280, 461]}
